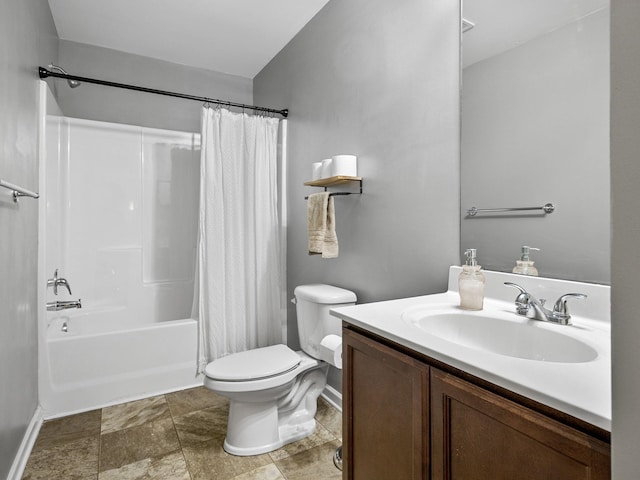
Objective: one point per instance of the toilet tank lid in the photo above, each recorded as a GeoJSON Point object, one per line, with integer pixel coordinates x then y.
{"type": "Point", "coordinates": [320, 293]}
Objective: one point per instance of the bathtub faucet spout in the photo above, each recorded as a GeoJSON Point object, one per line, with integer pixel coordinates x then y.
{"type": "Point", "coordinates": [64, 305]}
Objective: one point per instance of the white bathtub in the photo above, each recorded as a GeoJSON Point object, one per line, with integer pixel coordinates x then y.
{"type": "Point", "coordinates": [102, 360]}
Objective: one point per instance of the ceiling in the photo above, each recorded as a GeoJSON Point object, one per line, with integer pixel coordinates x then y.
{"type": "Point", "coordinates": [504, 24]}
{"type": "Point", "coordinates": [237, 37]}
{"type": "Point", "coordinates": [240, 37]}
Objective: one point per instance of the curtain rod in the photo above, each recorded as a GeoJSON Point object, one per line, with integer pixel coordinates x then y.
{"type": "Point", "coordinates": [44, 73]}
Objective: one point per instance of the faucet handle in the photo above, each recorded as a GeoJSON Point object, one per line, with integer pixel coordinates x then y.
{"type": "Point", "coordinates": [64, 283]}
{"type": "Point", "coordinates": [523, 299]}
{"type": "Point", "coordinates": [515, 285]}
{"type": "Point", "coordinates": [53, 282]}
{"type": "Point", "coordinates": [560, 309]}
{"type": "Point", "coordinates": [57, 281]}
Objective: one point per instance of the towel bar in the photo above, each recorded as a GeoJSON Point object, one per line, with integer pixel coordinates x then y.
{"type": "Point", "coordinates": [333, 194]}
{"type": "Point", "coordinates": [473, 211]}
{"type": "Point", "coordinates": [18, 191]}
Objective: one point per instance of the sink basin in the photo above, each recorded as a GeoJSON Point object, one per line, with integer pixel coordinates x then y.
{"type": "Point", "coordinates": [518, 338]}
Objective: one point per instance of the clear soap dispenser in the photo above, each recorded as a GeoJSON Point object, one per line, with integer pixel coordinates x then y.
{"type": "Point", "coordinates": [524, 266]}
{"type": "Point", "coordinates": [471, 283]}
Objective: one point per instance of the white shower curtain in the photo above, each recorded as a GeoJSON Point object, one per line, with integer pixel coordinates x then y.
{"type": "Point", "coordinates": [239, 279]}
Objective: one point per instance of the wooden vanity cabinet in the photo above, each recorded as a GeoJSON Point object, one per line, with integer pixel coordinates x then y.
{"type": "Point", "coordinates": [384, 412]}
{"type": "Point", "coordinates": [404, 418]}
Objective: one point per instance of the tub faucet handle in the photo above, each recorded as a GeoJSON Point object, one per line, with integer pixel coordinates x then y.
{"type": "Point", "coordinates": [56, 281]}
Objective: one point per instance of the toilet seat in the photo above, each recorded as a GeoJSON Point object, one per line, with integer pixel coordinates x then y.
{"type": "Point", "coordinates": [253, 364]}
{"type": "Point", "coordinates": [303, 362]}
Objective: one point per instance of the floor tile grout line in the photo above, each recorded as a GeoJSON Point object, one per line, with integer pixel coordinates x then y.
{"type": "Point", "coordinates": [280, 470]}
{"type": "Point", "coordinates": [99, 446]}
{"type": "Point", "coordinates": [175, 429]}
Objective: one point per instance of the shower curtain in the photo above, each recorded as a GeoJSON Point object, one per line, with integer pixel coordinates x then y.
{"type": "Point", "coordinates": [238, 304]}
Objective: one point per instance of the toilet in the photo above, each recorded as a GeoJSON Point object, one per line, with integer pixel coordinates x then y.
{"type": "Point", "coordinates": [273, 391]}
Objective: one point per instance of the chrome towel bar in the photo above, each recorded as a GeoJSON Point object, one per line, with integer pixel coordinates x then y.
{"type": "Point", "coordinates": [18, 191]}
{"type": "Point", "coordinates": [473, 211]}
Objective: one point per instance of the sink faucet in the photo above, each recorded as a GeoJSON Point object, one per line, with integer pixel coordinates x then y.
{"type": "Point", "coordinates": [56, 282]}
{"type": "Point", "coordinates": [527, 305]}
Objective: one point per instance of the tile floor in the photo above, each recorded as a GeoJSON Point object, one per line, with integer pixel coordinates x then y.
{"type": "Point", "coordinates": [177, 436]}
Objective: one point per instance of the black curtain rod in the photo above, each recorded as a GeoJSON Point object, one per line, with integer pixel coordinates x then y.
{"type": "Point", "coordinates": [44, 73]}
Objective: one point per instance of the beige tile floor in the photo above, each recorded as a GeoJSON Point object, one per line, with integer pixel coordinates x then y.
{"type": "Point", "coordinates": [177, 436]}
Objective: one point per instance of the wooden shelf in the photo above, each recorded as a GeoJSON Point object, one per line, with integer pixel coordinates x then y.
{"type": "Point", "coordinates": [332, 181]}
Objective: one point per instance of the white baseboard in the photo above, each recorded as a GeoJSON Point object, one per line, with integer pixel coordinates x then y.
{"type": "Point", "coordinates": [332, 396]}
{"type": "Point", "coordinates": [29, 439]}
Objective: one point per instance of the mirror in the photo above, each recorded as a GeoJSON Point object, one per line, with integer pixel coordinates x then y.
{"type": "Point", "coordinates": [535, 130]}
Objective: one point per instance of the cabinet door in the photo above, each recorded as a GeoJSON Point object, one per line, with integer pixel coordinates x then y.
{"type": "Point", "coordinates": [385, 412]}
{"type": "Point", "coordinates": [478, 435]}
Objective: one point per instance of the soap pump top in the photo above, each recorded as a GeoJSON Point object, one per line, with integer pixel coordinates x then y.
{"type": "Point", "coordinates": [470, 254]}
{"type": "Point", "coordinates": [524, 266]}
{"type": "Point", "coordinates": [471, 283]}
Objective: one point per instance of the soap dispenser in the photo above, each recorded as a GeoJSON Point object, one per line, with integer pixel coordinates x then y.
{"type": "Point", "coordinates": [524, 266]}
{"type": "Point", "coordinates": [471, 283]}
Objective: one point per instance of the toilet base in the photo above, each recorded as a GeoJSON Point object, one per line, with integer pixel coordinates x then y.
{"type": "Point", "coordinates": [285, 438]}
{"type": "Point", "coordinates": [259, 427]}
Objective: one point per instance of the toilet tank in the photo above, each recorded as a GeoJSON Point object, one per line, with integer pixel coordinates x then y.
{"type": "Point", "coordinates": [313, 303]}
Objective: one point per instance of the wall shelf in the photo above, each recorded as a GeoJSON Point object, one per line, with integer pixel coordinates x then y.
{"type": "Point", "coordinates": [335, 181]}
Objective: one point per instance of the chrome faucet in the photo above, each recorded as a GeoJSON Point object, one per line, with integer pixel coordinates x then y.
{"type": "Point", "coordinates": [56, 282]}
{"type": "Point", "coordinates": [527, 305]}
{"type": "Point", "coordinates": [63, 305]}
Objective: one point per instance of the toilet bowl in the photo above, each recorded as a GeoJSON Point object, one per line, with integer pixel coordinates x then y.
{"type": "Point", "coordinates": [273, 391]}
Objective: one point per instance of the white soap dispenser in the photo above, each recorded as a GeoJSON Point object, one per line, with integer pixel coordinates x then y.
{"type": "Point", "coordinates": [524, 266]}
{"type": "Point", "coordinates": [471, 283]}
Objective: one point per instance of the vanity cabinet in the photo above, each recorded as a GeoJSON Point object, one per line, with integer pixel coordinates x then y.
{"type": "Point", "coordinates": [385, 415]}
{"type": "Point", "coordinates": [406, 416]}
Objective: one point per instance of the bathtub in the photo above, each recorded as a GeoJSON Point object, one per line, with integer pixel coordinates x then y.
{"type": "Point", "coordinates": [118, 221]}
{"type": "Point", "coordinates": [102, 360]}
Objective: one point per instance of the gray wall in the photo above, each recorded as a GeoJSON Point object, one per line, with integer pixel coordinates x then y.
{"type": "Point", "coordinates": [107, 104]}
{"type": "Point", "coordinates": [535, 129]}
{"type": "Point", "coordinates": [28, 37]}
{"type": "Point", "coordinates": [380, 80]}
{"type": "Point", "coordinates": [625, 264]}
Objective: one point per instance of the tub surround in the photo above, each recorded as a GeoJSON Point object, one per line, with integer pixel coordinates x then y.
{"type": "Point", "coordinates": [582, 390]}
{"type": "Point", "coordinates": [113, 223]}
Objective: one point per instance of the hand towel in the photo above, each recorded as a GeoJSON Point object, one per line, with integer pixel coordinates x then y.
{"type": "Point", "coordinates": [321, 225]}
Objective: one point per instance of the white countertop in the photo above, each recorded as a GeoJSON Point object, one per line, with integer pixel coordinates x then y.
{"type": "Point", "coordinates": [579, 389]}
